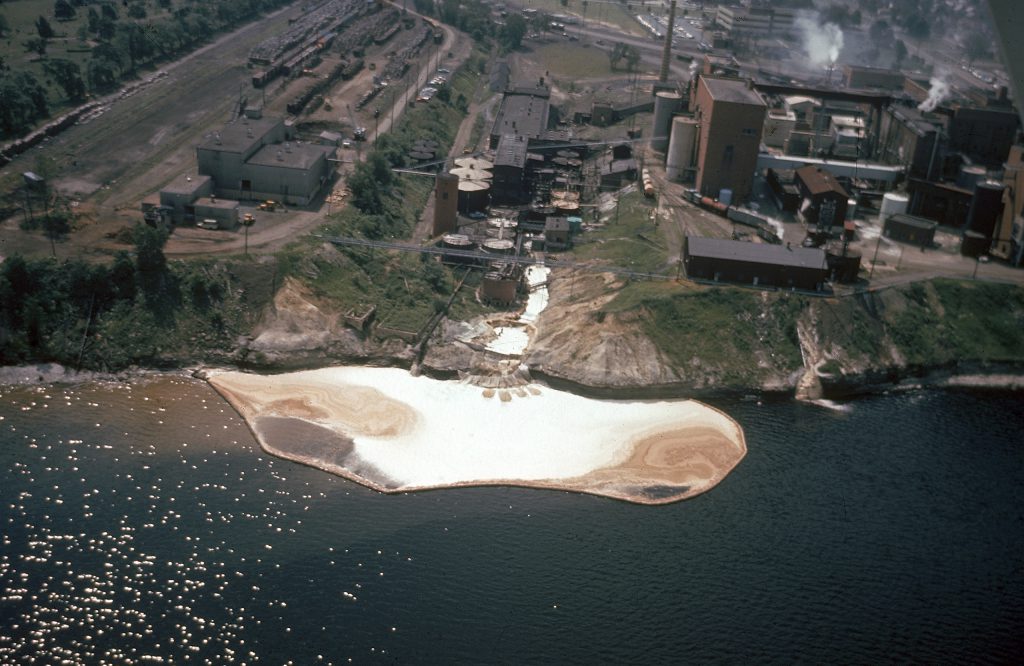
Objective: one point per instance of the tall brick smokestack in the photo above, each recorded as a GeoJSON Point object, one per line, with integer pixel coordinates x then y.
{"type": "Point", "coordinates": [667, 54]}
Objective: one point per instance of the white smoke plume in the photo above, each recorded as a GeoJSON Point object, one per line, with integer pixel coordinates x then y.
{"type": "Point", "coordinates": [822, 42]}
{"type": "Point", "coordinates": [936, 94]}
{"type": "Point", "coordinates": [693, 69]}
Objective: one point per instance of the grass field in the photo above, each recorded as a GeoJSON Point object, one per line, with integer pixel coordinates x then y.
{"type": "Point", "coordinates": [568, 62]}
{"type": "Point", "coordinates": [598, 11]}
{"type": "Point", "coordinates": [630, 239]}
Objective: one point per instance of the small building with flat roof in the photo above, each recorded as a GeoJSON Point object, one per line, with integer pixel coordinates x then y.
{"type": "Point", "coordinates": [254, 158]}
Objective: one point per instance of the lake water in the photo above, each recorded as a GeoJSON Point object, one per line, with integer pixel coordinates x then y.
{"type": "Point", "coordinates": [141, 522]}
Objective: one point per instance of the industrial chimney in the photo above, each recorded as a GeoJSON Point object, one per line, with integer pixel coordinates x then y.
{"type": "Point", "coordinates": [666, 55]}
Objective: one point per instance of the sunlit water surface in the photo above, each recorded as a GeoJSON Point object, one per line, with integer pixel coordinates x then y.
{"type": "Point", "coordinates": [142, 523]}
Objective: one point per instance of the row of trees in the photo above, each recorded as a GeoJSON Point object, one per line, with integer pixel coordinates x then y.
{"type": "Point", "coordinates": [121, 45]}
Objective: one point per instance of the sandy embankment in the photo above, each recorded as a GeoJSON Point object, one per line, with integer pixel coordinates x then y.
{"type": "Point", "coordinates": [394, 432]}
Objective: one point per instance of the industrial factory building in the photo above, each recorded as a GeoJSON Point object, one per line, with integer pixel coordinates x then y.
{"type": "Point", "coordinates": [255, 159]}
{"type": "Point", "coordinates": [730, 114]}
{"type": "Point", "coordinates": [755, 263]}
{"type": "Point", "coordinates": [524, 112]}
{"type": "Point", "coordinates": [823, 200]}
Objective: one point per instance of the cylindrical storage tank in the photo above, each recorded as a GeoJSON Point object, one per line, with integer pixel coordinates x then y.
{"type": "Point", "coordinates": [986, 208]}
{"type": "Point", "coordinates": [469, 173]}
{"type": "Point", "coordinates": [680, 148]}
{"type": "Point", "coordinates": [575, 224]}
{"type": "Point", "coordinates": [893, 203]}
{"type": "Point", "coordinates": [725, 196]}
{"type": "Point", "coordinates": [501, 246]}
{"type": "Point", "coordinates": [974, 244]}
{"type": "Point", "coordinates": [474, 163]}
{"type": "Point", "coordinates": [566, 208]}
{"type": "Point", "coordinates": [446, 200]}
{"type": "Point", "coordinates": [842, 268]}
{"type": "Point", "coordinates": [474, 196]}
{"type": "Point", "coordinates": [457, 242]}
{"type": "Point", "coordinates": [665, 104]}
{"type": "Point", "coordinates": [498, 288]}
{"type": "Point", "coordinates": [970, 176]}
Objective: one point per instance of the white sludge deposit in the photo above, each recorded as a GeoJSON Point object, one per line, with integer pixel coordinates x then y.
{"type": "Point", "coordinates": [394, 432]}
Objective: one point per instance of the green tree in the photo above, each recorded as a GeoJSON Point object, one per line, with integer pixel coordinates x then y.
{"type": "Point", "coordinates": [43, 28]}
{"type": "Point", "coordinates": [900, 53]}
{"type": "Point", "coordinates": [56, 226]}
{"type": "Point", "coordinates": [513, 31]}
{"type": "Point", "coordinates": [68, 76]}
{"type": "Point", "coordinates": [151, 272]}
{"type": "Point", "coordinates": [63, 10]}
{"type": "Point", "coordinates": [101, 73]}
{"type": "Point", "coordinates": [92, 18]}
{"type": "Point", "coordinates": [977, 46]}
{"type": "Point", "coordinates": [880, 32]}
{"type": "Point", "coordinates": [37, 44]}
{"type": "Point", "coordinates": [5, 25]}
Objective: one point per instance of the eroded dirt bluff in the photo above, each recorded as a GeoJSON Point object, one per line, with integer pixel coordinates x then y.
{"type": "Point", "coordinates": [298, 330]}
{"type": "Point", "coordinates": [576, 341]}
{"type": "Point", "coordinates": [581, 340]}
{"type": "Point", "coordinates": [690, 341]}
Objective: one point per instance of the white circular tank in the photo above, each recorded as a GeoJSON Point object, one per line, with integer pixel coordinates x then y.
{"type": "Point", "coordinates": [893, 203]}
{"type": "Point", "coordinates": [680, 148]}
{"type": "Point", "coordinates": [665, 104]}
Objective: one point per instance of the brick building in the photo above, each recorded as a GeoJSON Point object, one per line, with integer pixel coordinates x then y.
{"type": "Point", "coordinates": [731, 116]}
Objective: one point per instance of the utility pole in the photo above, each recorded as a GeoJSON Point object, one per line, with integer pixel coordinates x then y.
{"type": "Point", "coordinates": [874, 259]}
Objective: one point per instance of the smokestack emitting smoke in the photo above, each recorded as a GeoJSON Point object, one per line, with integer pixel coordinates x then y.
{"type": "Point", "coordinates": [939, 91]}
{"type": "Point", "coordinates": [822, 42]}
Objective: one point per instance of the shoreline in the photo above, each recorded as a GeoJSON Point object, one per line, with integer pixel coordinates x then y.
{"type": "Point", "coordinates": [1001, 377]}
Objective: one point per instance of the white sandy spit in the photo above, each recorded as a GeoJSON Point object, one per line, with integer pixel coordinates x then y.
{"type": "Point", "coordinates": [421, 432]}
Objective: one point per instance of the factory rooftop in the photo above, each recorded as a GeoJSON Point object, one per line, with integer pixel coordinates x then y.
{"type": "Point", "coordinates": [240, 137]}
{"type": "Point", "coordinates": [732, 90]}
{"type": "Point", "coordinates": [295, 156]}
{"type": "Point", "coordinates": [511, 152]}
{"type": "Point", "coordinates": [756, 253]}
{"type": "Point", "coordinates": [523, 112]}
{"type": "Point", "coordinates": [819, 181]}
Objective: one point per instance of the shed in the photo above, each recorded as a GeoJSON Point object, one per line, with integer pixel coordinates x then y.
{"type": "Point", "coordinates": [911, 229]}
{"type": "Point", "coordinates": [556, 232]}
{"type": "Point", "coordinates": [755, 263]}
{"type": "Point", "coordinates": [824, 199]}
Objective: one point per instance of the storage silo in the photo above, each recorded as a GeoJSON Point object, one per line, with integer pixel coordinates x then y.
{"type": "Point", "coordinates": [474, 196]}
{"type": "Point", "coordinates": [986, 208]}
{"type": "Point", "coordinates": [665, 104]}
{"type": "Point", "coordinates": [501, 246]}
{"type": "Point", "coordinates": [680, 148]}
{"type": "Point", "coordinates": [446, 199]}
{"type": "Point", "coordinates": [970, 176]}
{"type": "Point", "coordinates": [893, 203]}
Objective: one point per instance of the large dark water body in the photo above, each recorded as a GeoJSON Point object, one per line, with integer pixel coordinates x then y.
{"type": "Point", "coordinates": [143, 520]}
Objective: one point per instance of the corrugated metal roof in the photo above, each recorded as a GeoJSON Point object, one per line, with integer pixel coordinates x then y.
{"type": "Point", "coordinates": [819, 181]}
{"type": "Point", "coordinates": [756, 253]}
